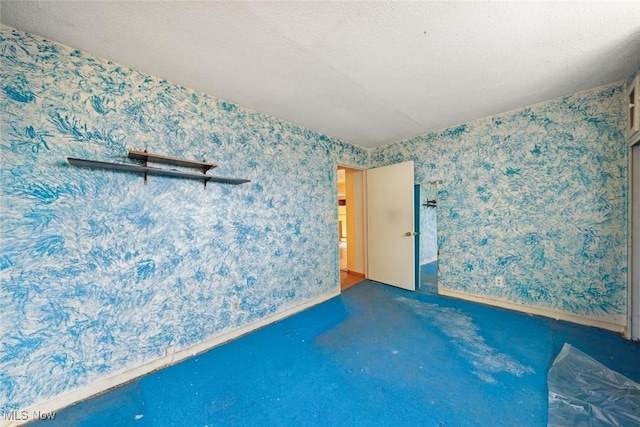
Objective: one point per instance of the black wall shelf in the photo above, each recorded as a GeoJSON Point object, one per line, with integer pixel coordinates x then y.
{"type": "Point", "coordinates": [167, 160]}
{"type": "Point", "coordinates": [146, 170]}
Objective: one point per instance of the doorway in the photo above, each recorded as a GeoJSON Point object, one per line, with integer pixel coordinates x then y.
{"type": "Point", "coordinates": [428, 238]}
{"type": "Point", "coordinates": [351, 226]}
{"type": "Point", "coordinates": [380, 229]}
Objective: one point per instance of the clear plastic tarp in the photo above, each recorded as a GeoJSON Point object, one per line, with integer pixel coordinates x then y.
{"type": "Point", "coordinates": [585, 393]}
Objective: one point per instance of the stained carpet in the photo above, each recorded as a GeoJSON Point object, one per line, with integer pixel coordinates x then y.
{"type": "Point", "coordinates": [374, 356]}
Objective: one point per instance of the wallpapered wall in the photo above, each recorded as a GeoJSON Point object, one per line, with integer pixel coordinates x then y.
{"type": "Point", "coordinates": [537, 196]}
{"type": "Point", "coordinates": [100, 272]}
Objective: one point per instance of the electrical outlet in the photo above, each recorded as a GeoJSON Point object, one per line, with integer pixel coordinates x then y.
{"type": "Point", "coordinates": [499, 281]}
{"type": "Point", "coordinates": [235, 305]}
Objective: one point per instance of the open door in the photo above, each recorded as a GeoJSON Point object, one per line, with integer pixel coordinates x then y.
{"type": "Point", "coordinates": [391, 229]}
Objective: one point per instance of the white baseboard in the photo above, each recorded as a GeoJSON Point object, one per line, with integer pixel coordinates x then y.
{"type": "Point", "coordinates": [609, 323]}
{"type": "Point", "coordinates": [59, 402]}
{"type": "Point", "coordinates": [428, 261]}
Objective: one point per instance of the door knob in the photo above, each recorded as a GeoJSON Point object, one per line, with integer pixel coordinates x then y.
{"type": "Point", "coordinates": [409, 233]}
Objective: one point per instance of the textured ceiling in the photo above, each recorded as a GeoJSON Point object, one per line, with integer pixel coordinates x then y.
{"type": "Point", "coordinates": [367, 73]}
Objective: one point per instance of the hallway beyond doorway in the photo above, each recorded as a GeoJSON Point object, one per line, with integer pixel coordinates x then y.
{"type": "Point", "coordinates": [347, 278]}
{"type": "Point", "coordinates": [351, 225]}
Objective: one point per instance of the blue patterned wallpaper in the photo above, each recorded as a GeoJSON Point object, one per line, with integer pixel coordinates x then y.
{"type": "Point", "coordinates": [100, 272]}
{"type": "Point", "coordinates": [537, 196]}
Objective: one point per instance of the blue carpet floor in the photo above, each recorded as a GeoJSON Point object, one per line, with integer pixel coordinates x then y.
{"type": "Point", "coordinates": [375, 356]}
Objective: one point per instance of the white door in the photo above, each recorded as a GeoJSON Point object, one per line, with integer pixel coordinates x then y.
{"type": "Point", "coordinates": [390, 233]}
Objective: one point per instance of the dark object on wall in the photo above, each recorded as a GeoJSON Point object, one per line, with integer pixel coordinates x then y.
{"type": "Point", "coordinates": [157, 158]}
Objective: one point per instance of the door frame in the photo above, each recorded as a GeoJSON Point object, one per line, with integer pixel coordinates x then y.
{"type": "Point", "coordinates": [417, 230]}
{"type": "Point", "coordinates": [364, 241]}
{"type": "Point", "coordinates": [633, 287]}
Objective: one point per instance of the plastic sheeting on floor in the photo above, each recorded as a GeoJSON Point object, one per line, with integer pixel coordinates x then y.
{"type": "Point", "coordinates": [583, 392]}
